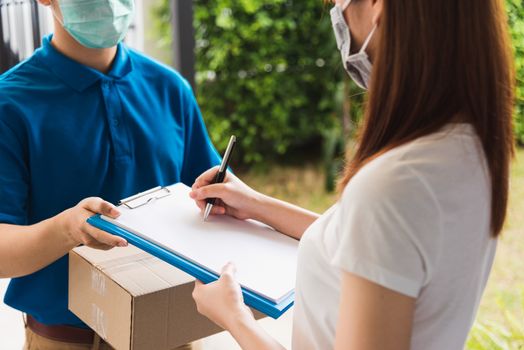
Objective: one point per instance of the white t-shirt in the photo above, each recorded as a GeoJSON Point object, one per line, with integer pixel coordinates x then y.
{"type": "Point", "coordinates": [415, 220]}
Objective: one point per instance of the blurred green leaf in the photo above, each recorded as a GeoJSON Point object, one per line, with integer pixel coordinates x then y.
{"type": "Point", "coordinates": [268, 71]}
{"type": "Point", "coordinates": [273, 65]}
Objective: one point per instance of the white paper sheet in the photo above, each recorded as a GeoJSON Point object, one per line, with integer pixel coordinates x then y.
{"type": "Point", "coordinates": [265, 259]}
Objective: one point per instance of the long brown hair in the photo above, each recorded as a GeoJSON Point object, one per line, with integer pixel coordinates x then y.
{"type": "Point", "coordinates": [434, 61]}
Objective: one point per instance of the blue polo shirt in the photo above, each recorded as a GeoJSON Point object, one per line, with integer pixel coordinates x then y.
{"type": "Point", "coordinates": [68, 132]}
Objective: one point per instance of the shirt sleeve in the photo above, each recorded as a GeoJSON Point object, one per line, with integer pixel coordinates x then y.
{"type": "Point", "coordinates": [14, 174]}
{"type": "Point", "coordinates": [199, 153]}
{"type": "Point", "coordinates": [389, 229]}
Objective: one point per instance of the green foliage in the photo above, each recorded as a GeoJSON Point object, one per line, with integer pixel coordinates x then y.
{"type": "Point", "coordinates": [268, 71]}
{"type": "Point", "coordinates": [265, 72]}
{"type": "Point", "coordinates": [516, 21]}
{"type": "Point", "coordinates": [506, 334]}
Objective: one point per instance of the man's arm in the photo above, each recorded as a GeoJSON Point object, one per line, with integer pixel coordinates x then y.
{"type": "Point", "coordinates": [27, 249]}
{"type": "Point", "coordinates": [199, 152]}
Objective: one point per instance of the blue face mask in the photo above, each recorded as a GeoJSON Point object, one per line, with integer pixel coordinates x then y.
{"type": "Point", "coordinates": [96, 24]}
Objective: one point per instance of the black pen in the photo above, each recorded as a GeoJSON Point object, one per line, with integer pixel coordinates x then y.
{"type": "Point", "coordinates": [221, 174]}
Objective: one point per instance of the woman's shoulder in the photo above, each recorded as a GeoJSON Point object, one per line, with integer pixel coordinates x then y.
{"type": "Point", "coordinates": [393, 177]}
{"type": "Point", "coordinates": [426, 168]}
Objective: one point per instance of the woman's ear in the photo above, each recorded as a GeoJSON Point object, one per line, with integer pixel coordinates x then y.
{"type": "Point", "coordinates": [377, 11]}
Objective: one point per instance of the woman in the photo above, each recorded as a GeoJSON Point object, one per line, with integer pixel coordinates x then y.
{"type": "Point", "coordinates": [402, 259]}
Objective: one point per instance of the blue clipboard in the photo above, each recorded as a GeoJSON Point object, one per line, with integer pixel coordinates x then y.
{"type": "Point", "coordinates": [252, 299]}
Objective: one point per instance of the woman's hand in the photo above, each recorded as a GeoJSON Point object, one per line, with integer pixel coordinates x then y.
{"type": "Point", "coordinates": [72, 223]}
{"type": "Point", "coordinates": [234, 197]}
{"type": "Point", "coordinates": [222, 301]}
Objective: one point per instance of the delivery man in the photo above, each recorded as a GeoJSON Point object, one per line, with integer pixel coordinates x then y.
{"type": "Point", "coordinates": [84, 118]}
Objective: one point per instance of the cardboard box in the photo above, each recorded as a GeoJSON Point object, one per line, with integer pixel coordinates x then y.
{"type": "Point", "coordinates": [134, 300]}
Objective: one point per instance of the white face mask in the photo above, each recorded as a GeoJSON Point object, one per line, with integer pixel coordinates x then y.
{"type": "Point", "coordinates": [357, 65]}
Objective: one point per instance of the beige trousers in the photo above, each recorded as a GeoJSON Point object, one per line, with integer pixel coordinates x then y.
{"type": "Point", "coordinates": [36, 342]}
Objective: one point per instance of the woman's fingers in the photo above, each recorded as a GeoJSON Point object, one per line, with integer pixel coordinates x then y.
{"type": "Point", "coordinates": [206, 178]}
{"type": "Point", "coordinates": [229, 270]}
{"type": "Point", "coordinates": [231, 196]}
{"type": "Point", "coordinates": [218, 207]}
{"type": "Point", "coordinates": [218, 210]}
{"type": "Point", "coordinates": [209, 191]}
{"type": "Point", "coordinates": [201, 205]}
{"type": "Point", "coordinates": [197, 292]}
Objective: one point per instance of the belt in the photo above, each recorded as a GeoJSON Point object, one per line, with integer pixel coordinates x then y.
{"type": "Point", "coordinates": [65, 334]}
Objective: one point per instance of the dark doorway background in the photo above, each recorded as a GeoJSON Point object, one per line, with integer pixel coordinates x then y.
{"type": "Point", "coordinates": [19, 30]}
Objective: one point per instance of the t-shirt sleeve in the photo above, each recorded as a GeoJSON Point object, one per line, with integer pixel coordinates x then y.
{"type": "Point", "coordinates": [389, 229]}
{"type": "Point", "coordinates": [199, 153]}
{"type": "Point", "coordinates": [14, 174]}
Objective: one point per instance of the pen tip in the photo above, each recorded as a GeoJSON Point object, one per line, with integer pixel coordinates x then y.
{"type": "Point", "coordinates": [207, 211]}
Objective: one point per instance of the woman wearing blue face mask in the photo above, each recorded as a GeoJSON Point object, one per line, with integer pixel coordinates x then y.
{"type": "Point", "coordinates": [84, 118]}
{"type": "Point", "coordinates": [402, 258]}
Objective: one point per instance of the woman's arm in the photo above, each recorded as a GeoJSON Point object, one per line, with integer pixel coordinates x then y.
{"type": "Point", "coordinates": [372, 317]}
{"type": "Point", "coordinates": [27, 249]}
{"type": "Point", "coordinates": [250, 336]}
{"type": "Point", "coordinates": [285, 217]}
{"type": "Point", "coordinates": [239, 200]}
{"type": "Point", "coordinates": [222, 303]}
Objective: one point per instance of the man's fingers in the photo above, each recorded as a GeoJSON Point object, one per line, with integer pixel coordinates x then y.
{"type": "Point", "coordinates": [104, 237]}
{"type": "Point", "coordinates": [100, 206]}
{"type": "Point", "coordinates": [101, 246]}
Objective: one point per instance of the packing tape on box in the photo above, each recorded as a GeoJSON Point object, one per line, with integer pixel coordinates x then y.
{"type": "Point", "coordinates": [98, 282]}
{"type": "Point", "coordinates": [100, 323]}
{"type": "Point", "coordinates": [129, 260]}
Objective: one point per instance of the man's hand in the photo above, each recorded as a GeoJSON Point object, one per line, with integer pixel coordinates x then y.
{"type": "Point", "coordinates": [73, 224]}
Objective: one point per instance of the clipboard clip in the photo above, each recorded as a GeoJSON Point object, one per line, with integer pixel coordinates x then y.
{"type": "Point", "coordinates": [146, 197]}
